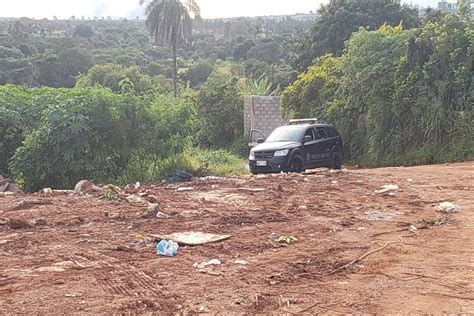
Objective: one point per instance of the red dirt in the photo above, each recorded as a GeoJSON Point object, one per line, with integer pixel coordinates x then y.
{"type": "Point", "coordinates": [93, 255]}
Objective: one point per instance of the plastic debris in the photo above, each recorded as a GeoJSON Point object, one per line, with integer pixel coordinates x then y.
{"type": "Point", "coordinates": [86, 186]}
{"type": "Point", "coordinates": [283, 239]}
{"type": "Point", "coordinates": [204, 264]}
{"type": "Point", "coordinates": [135, 198]}
{"type": "Point", "coordinates": [377, 216]}
{"type": "Point", "coordinates": [184, 189]}
{"type": "Point", "coordinates": [167, 248]}
{"type": "Point", "coordinates": [47, 191]}
{"type": "Point", "coordinates": [387, 188]}
{"type": "Point", "coordinates": [193, 238]}
{"type": "Point", "coordinates": [241, 262]}
{"type": "Point", "coordinates": [180, 176]}
{"type": "Point", "coordinates": [448, 207]}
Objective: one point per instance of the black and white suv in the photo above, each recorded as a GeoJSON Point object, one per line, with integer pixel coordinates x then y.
{"type": "Point", "coordinates": [304, 144]}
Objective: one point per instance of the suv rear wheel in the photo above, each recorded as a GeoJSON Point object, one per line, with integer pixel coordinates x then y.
{"type": "Point", "coordinates": [336, 160]}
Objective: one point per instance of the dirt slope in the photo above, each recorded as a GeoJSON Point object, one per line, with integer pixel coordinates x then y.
{"type": "Point", "coordinates": [94, 256]}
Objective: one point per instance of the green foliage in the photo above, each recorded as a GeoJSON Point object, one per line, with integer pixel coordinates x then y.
{"type": "Point", "coordinates": [202, 162]}
{"type": "Point", "coordinates": [94, 133]}
{"type": "Point", "coordinates": [111, 76]}
{"type": "Point", "coordinates": [340, 18]}
{"type": "Point", "coordinates": [398, 97]}
{"type": "Point", "coordinates": [83, 30]}
{"type": "Point", "coordinates": [220, 111]}
{"type": "Point", "coordinates": [311, 94]}
{"type": "Point", "coordinates": [198, 73]}
{"type": "Point", "coordinates": [260, 86]}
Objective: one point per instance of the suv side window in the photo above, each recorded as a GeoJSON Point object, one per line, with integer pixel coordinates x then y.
{"type": "Point", "coordinates": [322, 132]}
{"type": "Point", "coordinates": [309, 132]}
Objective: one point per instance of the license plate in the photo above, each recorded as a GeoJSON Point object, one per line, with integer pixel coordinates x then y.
{"type": "Point", "coordinates": [261, 163]}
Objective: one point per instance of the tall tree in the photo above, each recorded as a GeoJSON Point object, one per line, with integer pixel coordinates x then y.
{"type": "Point", "coordinates": [170, 23]}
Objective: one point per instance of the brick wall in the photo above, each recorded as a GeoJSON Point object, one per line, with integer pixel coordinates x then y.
{"type": "Point", "coordinates": [263, 114]}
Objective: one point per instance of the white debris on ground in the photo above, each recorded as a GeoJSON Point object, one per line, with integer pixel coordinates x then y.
{"type": "Point", "coordinates": [448, 207]}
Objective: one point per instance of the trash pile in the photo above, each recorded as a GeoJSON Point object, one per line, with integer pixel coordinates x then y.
{"type": "Point", "coordinates": [7, 187]}
{"type": "Point", "coordinates": [180, 176]}
{"type": "Point", "coordinates": [448, 207]}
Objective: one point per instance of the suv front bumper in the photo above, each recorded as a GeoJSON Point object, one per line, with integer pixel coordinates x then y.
{"type": "Point", "coordinates": [274, 164]}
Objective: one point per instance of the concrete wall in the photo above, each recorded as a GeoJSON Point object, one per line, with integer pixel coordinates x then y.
{"type": "Point", "coordinates": [263, 114]}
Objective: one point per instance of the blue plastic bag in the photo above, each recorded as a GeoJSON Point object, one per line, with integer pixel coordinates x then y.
{"type": "Point", "coordinates": [167, 248]}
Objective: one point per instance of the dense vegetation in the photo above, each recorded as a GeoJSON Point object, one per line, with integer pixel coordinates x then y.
{"type": "Point", "coordinates": [94, 98]}
{"type": "Point", "coordinates": [398, 96]}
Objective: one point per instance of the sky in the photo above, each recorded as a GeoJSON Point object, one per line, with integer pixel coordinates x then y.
{"type": "Point", "coordinates": [131, 9]}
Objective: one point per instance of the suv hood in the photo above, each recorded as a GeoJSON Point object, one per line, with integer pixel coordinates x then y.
{"type": "Point", "coordinates": [270, 146]}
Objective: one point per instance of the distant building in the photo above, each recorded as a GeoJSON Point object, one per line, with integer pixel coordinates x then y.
{"type": "Point", "coordinates": [448, 7]}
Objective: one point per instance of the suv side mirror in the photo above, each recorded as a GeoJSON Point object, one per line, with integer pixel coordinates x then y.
{"type": "Point", "coordinates": [307, 138]}
{"type": "Point", "coordinates": [260, 140]}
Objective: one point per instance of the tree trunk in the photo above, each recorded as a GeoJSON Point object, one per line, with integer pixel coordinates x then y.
{"type": "Point", "coordinates": [175, 72]}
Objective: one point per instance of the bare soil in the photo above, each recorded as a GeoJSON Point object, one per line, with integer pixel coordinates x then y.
{"type": "Point", "coordinates": [89, 254]}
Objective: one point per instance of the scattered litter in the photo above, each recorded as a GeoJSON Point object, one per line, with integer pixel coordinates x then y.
{"type": "Point", "coordinates": [135, 199]}
{"type": "Point", "coordinates": [210, 178]}
{"type": "Point", "coordinates": [283, 239]}
{"type": "Point", "coordinates": [180, 176]}
{"type": "Point", "coordinates": [193, 238]}
{"type": "Point", "coordinates": [86, 186]}
{"type": "Point", "coordinates": [152, 210]}
{"type": "Point", "coordinates": [251, 190]}
{"type": "Point", "coordinates": [410, 180]}
{"type": "Point", "coordinates": [47, 191]}
{"type": "Point", "coordinates": [7, 186]}
{"type": "Point", "coordinates": [448, 207]}
{"type": "Point", "coordinates": [204, 264]}
{"type": "Point", "coordinates": [37, 222]}
{"type": "Point", "coordinates": [334, 182]}
{"type": "Point", "coordinates": [162, 215]}
{"type": "Point", "coordinates": [377, 216]}
{"type": "Point", "coordinates": [184, 189]}
{"type": "Point", "coordinates": [436, 221]}
{"type": "Point", "coordinates": [241, 262]}
{"type": "Point", "coordinates": [387, 188]}
{"type": "Point", "coordinates": [167, 248]}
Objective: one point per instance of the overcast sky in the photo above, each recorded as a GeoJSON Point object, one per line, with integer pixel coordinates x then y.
{"type": "Point", "coordinates": [130, 8]}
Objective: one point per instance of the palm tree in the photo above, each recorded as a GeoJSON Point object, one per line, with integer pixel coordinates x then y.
{"type": "Point", "coordinates": [170, 23]}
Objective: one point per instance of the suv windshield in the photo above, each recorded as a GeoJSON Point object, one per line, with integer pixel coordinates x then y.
{"type": "Point", "coordinates": [286, 134]}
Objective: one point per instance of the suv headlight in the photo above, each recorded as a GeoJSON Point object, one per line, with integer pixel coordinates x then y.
{"type": "Point", "coordinates": [252, 155]}
{"type": "Point", "coordinates": [281, 153]}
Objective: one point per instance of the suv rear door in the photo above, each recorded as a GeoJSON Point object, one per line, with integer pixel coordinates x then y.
{"type": "Point", "coordinates": [326, 145]}
{"type": "Point", "coordinates": [313, 149]}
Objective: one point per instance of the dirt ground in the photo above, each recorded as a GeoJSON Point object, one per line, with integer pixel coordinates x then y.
{"type": "Point", "coordinates": [89, 254]}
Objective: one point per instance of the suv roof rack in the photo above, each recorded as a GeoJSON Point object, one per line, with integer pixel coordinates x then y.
{"type": "Point", "coordinates": [305, 121]}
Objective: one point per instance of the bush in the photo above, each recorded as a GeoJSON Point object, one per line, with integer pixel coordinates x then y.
{"type": "Point", "coordinates": [96, 134]}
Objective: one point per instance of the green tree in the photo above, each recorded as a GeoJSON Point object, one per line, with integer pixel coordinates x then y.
{"type": "Point", "coordinates": [340, 18]}
{"type": "Point", "coordinates": [198, 73]}
{"type": "Point", "coordinates": [169, 23]}
{"type": "Point", "coordinates": [220, 111]}
{"type": "Point", "coordinates": [314, 90]}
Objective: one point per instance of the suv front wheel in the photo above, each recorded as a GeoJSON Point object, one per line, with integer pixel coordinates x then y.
{"type": "Point", "coordinates": [296, 164]}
